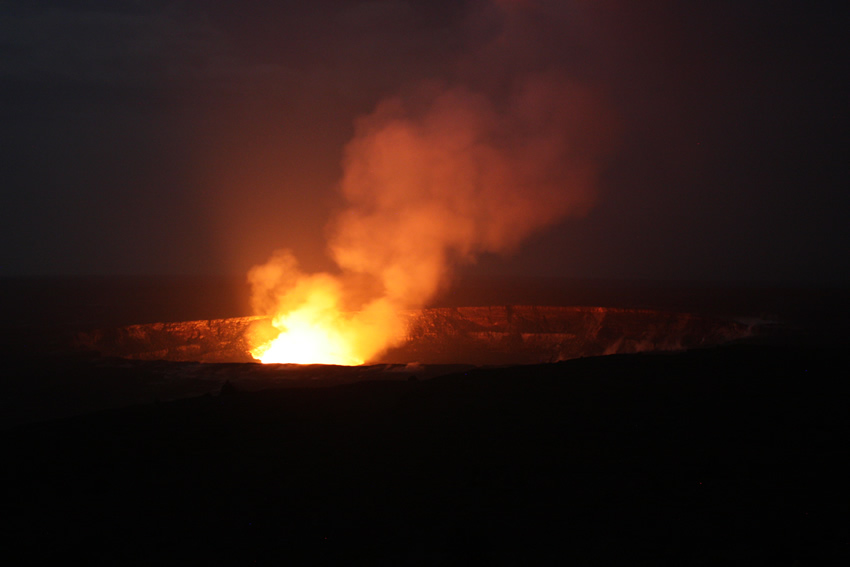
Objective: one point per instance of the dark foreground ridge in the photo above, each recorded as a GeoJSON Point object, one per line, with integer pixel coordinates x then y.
{"type": "Point", "coordinates": [732, 455]}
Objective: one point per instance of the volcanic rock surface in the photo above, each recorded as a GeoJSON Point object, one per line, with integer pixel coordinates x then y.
{"type": "Point", "coordinates": [215, 340]}
{"type": "Point", "coordinates": [464, 335]}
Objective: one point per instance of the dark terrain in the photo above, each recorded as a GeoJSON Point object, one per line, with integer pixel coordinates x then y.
{"type": "Point", "coordinates": [734, 454]}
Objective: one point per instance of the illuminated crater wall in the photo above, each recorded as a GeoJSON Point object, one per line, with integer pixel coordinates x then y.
{"type": "Point", "coordinates": [465, 335]}
{"type": "Point", "coordinates": [534, 334]}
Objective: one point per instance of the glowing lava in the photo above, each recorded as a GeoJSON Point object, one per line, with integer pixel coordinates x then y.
{"type": "Point", "coordinates": [305, 341]}
{"type": "Point", "coordinates": [315, 332]}
{"type": "Point", "coordinates": [311, 323]}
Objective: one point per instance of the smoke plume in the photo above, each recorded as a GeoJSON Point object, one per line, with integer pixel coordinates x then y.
{"type": "Point", "coordinates": [431, 180]}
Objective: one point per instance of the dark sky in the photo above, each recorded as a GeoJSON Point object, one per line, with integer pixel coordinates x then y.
{"type": "Point", "coordinates": [195, 137]}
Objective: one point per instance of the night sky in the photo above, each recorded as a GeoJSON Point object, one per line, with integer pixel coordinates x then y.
{"type": "Point", "coordinates": [198, 136]}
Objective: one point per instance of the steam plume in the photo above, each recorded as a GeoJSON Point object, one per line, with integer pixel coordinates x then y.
{"type": "Point", "coordinates": [432, 180]}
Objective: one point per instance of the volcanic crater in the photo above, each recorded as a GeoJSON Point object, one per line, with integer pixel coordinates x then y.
{"type": "Point", "coordinates": [487, 335]}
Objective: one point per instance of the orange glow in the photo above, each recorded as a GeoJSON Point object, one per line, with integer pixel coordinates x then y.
{"type": "Point", "coordinates": [427, 185]}
{"type": "Point", "coordinates": [306, 338]}
{"type": "Point", "coordinates": [310, 325]}
{"type": "Point", "coordinates": [312, 322]}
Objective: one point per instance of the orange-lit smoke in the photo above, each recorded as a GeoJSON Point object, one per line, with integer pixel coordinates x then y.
{"type": "Point", "coordinates": [431, 181]}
